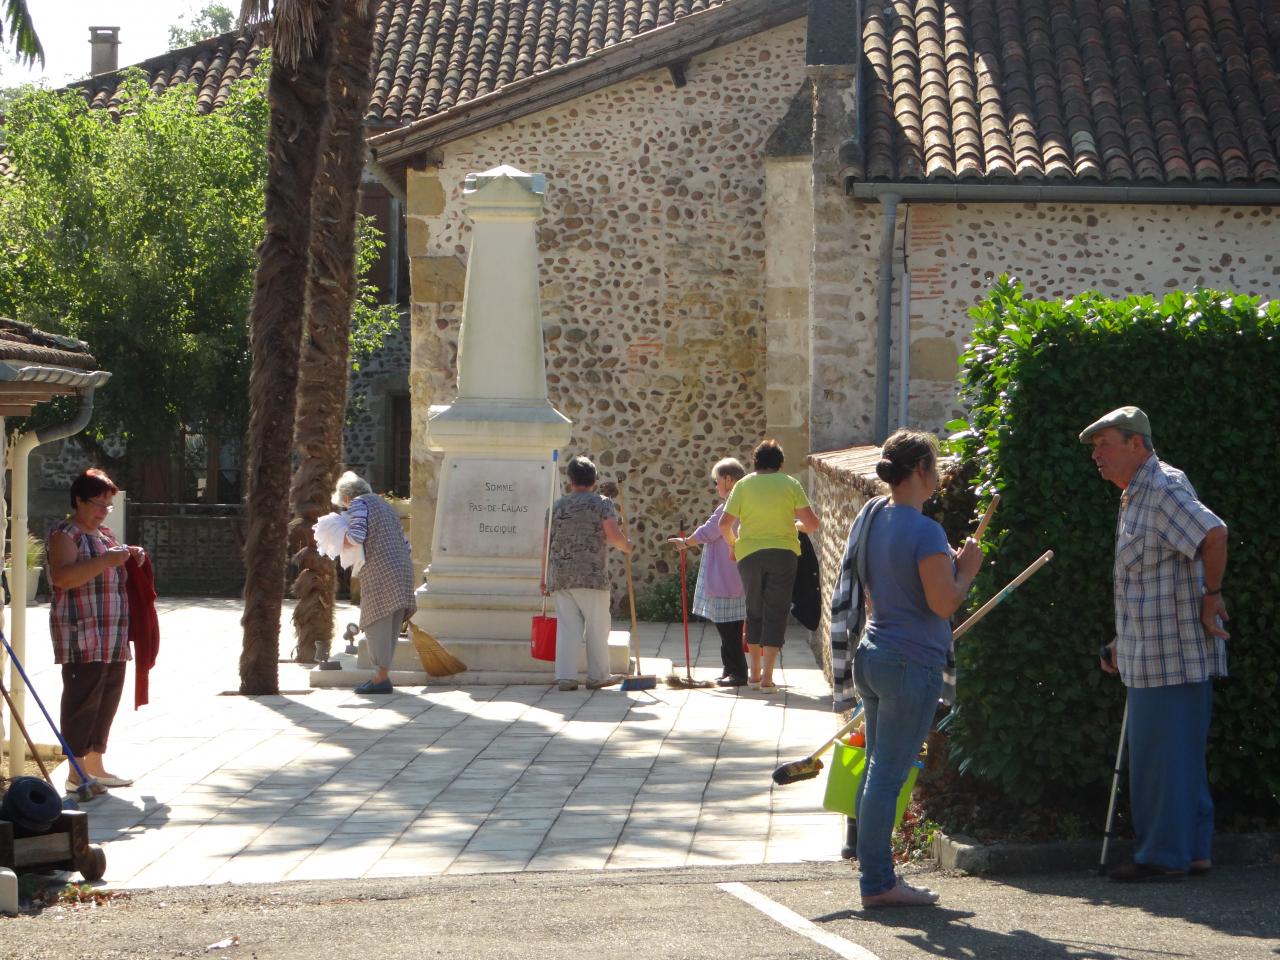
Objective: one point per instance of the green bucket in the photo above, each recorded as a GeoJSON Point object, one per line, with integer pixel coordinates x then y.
{"type": "Point", "coordinates": [845, 772]}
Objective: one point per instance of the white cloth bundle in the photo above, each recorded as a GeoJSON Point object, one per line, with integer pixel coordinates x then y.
{"type": "Point", "coordinates": [331, 540]}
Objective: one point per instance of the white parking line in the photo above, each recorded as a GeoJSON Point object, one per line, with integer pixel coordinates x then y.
{"type": "Point", "coordinates": [793, 921]}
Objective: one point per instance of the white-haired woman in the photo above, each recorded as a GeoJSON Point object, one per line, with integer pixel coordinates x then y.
{"type": "Point", "coordinates": [718, 596]}
{"type": "Point", "coordinates": [386, 580]}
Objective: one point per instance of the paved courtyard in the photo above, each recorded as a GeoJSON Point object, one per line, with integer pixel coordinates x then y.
{"type": "Point", "coordinates": [323, 784]}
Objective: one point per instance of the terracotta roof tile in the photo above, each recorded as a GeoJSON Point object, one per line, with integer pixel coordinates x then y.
{"type": "Point", "coordinates": [430, 56]}
{"type": "Point", "coordinates": [1117, 91]}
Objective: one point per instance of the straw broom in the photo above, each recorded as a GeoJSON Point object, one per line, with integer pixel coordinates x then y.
{"type": "Point", "coordinates": [436, 660]}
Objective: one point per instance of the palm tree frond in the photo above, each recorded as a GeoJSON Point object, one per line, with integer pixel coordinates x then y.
{"type": "Point", "coordinates": [253, 11]}
{"type": "Point", "coordinates": [294, 24]}
{"type": "Point", "coordinates": [22, 32]}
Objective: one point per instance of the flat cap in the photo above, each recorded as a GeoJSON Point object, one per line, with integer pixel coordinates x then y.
{"type": "Point", "coordinates": [1122, 418]}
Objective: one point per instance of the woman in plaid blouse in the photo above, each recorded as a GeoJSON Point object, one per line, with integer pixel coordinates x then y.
{"type": "Point", "coordinates": [89, 622]}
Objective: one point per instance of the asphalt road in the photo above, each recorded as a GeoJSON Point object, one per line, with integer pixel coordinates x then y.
{"type": "Point", "coordinates": [688, 914]}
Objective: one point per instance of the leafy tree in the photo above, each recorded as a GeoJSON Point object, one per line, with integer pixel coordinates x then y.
{"type": "Point", "coordinates": [137, 235]}
{"type": "Point", "coordinates": [209, 21]}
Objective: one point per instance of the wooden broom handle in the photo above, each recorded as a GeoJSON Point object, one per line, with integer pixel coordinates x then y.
{"type": "Point", "coordinates": [991, 604]}
{"type": "Point", "coordinates": [626, 558]}
{"type": "Point", "coordinates": [986, 518]}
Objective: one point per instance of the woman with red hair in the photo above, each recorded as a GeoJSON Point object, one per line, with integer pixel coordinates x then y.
{"type": "Point", "coordinates": [89, 623]}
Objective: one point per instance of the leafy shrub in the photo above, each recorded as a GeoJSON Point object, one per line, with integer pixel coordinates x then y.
{"type": "Point", "coordinates": [661, 602]}
{"type": "Point", "coordinates": [1036, 717]}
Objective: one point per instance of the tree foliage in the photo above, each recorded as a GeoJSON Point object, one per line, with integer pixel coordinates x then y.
{"type": "Point", "coordinates": [138, 235]}
{"type": "Point", "coordinates": [1036, 717]}
{"type": "Point", "coordinates": [212, 20]}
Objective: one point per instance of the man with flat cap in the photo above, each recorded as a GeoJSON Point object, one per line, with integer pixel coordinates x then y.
{"type": "Point", "coordinates": [1170, 558]}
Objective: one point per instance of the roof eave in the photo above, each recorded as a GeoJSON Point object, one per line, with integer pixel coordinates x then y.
{"type": "Point", "coordinates": [651, 50]}
{"type": "Point", "coordinates": [979, 192]}
{"type": "Point", "coordinates": [18, 371]}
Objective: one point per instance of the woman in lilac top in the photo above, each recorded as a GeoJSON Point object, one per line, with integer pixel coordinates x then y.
{"type": "Point", "coordinates": [718, 597]}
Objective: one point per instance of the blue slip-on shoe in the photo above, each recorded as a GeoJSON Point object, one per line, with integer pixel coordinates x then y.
{"type": "Point", "coordinates": [382, 686]}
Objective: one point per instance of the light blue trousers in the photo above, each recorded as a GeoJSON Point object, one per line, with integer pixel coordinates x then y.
{"type": "Point", "coordinates": [1168, 778]}
{"type": "Point", "coordinates": [899, 698]}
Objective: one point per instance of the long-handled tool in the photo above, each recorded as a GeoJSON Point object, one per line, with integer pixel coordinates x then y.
{"type": "Point", "coordinates": [17, 718]}
{"type": "Point", "coordinates": [674, 679]}
{"type": "Point", "coordinates": [1108, 833]}
{"type": "Point", "coordinates": [811, 766]}
{"type": "Point", "coordinates": [84, 789]}
{"type": "Point", "coordinates": [948, 695]}
{"type": "Point", "coordinates": [635, 680]}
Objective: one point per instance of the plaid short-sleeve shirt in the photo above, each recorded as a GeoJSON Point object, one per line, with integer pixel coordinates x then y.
{"type": "Point", "coordinates": [90, 623]}
{"type": "Point", "coordinates": [1160, 640]}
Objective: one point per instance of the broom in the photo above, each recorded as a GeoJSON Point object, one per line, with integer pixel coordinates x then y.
{"type": "Point", "coordinates": [635, 679]}
{"type": "Point", "coordinates": [674, 679]}
{"type": "Point", "coordinates": [811, 766]}
{"type": "Point", "coordinates": [436, 660]}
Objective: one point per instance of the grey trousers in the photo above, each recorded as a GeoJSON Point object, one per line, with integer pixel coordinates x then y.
{"type": "Point", "coordinates": [582, 615]}
{"type": "Point", "coordinates": [767, 579]}
{"type": "Point", "coordinates": [381, 637]}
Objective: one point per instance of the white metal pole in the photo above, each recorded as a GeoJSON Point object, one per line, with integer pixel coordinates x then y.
{"type": "Point", "coordinates": [22, 448]}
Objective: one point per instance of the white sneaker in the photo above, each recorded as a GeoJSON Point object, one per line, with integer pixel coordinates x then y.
{"type": "Point", "coordinates": [902, 894]}
{"type": "Point", "coordinates": [608, 681]}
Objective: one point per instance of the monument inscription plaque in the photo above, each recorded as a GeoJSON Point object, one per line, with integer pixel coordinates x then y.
{"type": "Point", "coordinates": [494, 508]}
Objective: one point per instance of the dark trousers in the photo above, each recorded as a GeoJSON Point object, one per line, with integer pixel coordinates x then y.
{"type": "Point", "coordinates": [767, 580]}
{"type": "Point", "coordinates": [731, 655]}
{"type": "Point", "coordinates": [90, 695]}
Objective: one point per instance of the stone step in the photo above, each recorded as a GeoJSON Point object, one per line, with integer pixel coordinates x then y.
{"type": "Point", "coordinates": [488, 662]}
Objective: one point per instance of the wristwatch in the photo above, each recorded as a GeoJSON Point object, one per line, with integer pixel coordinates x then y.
{"type": "Point", "coordinates": [1212, 593]}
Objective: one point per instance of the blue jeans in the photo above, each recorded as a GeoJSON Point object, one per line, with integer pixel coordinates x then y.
{"type": "Point", "coordinates": [899, 698]}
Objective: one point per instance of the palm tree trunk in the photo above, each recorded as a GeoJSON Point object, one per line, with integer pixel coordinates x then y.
{"type": "Point", "coordinates": [298, 98]}
{"type": "Point", "coordinates": [331, 289]}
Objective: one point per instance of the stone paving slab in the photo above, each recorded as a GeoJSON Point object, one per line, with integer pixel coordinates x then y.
{"type": "Point", "coordinates": [445, 779]}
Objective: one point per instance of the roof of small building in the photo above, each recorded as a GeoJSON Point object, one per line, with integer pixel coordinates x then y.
{"type": "Point", "coordinates": [36, 366]}
{"type": "Point", "coordinates": [430, 56]}
{"type": "Point", "coordinates": [1108, 91]}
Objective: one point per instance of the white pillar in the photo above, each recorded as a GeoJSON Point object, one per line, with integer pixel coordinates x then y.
{"type": "Point", "coordinates": [499, 433]}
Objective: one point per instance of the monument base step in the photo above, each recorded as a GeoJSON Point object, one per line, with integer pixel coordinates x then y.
{"type": "Point", "coordinates": [486, 658]}
{"type": "Point", "coordinates": [352, 674]}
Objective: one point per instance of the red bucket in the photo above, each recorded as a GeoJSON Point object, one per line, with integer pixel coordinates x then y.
{"type": "Point", "coordinates": [542, 644]}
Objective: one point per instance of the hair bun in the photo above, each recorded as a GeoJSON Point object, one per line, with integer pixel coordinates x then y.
{"type": "Point", "coordinates": [888, 471]}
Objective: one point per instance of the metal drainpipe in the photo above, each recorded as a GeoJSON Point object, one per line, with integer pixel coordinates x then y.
{"type": "Point", "coordinates": [904, 348]}
{"type": "Point", "coordinates": [22, 448]}
{"type": "Point", "coordinates": [889, 201]}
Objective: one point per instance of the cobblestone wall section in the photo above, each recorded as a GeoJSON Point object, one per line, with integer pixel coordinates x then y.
{"type": "Point", "coordinates": [843, 480]}
{"type": "Point", "coordinates": [653, 276]}
{"type": "Point", "coordinates": [367, 435]}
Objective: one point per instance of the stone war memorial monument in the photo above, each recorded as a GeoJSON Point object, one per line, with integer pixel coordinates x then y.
{"type": "Point", "coordinates": [498, 438]}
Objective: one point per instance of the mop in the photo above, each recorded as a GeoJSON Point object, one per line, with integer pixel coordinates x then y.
{"type": "Point", "coordinates": [84, 789]}
{"type": "Point", "coordinates": [635, 679]}
{"type": "Point", "coordinates": [810, 766]}
{"type": "Point", "coordinates": [674, 679]}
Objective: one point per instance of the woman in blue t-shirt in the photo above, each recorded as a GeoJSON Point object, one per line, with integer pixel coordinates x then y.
{"type": "Point", "coordinates": [915, 583]}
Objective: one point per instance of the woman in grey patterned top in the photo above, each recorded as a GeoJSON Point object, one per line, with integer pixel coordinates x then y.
{"type": "Point", "coordinates": [583, 525]}
{"type": "Point", "coordinates": [386, 580]}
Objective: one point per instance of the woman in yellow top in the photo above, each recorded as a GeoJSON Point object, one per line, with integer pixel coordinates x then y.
{"type": "Point", "coordinates": [769, 506]}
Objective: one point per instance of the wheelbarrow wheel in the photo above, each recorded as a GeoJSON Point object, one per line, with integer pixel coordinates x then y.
{"type": "Point", "coordinates": [94, 867]}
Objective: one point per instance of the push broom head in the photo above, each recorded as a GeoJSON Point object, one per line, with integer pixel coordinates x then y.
{"type": "Point", "coordinates": [639, 682]}
{"type": "Point", "coordinates": [797, 770]}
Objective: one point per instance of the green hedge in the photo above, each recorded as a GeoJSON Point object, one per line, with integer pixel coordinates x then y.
{"type": "Point", "coordinates": [1036, 717]}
